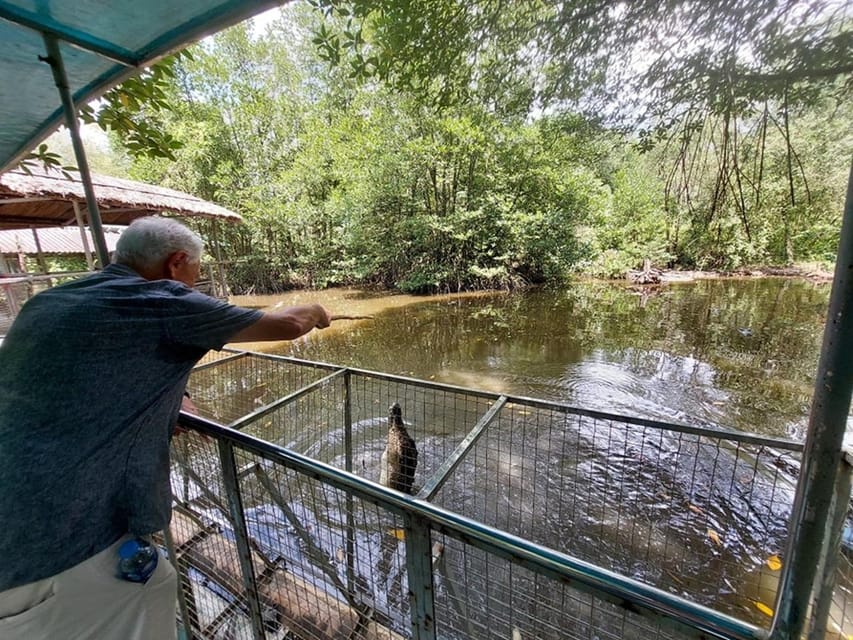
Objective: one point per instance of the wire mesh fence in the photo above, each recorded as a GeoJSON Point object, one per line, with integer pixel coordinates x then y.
{"type": "Point", "coordinates": [17, 288]}
{"type": "Point", "coordinates": [480, 595]}
{"type": "Point", "coordinates": [693, 513]}
{"type": "Point", "coordinates": [841, 607]}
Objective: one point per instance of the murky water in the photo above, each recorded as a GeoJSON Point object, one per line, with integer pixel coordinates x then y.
{"type": "Point", "coordinates": [735, 353]}
{"type": "Point", "coordinates": [738, 353]}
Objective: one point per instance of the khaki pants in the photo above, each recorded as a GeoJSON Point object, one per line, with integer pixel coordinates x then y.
{"type": "Point", "coordinates": [89, 602]}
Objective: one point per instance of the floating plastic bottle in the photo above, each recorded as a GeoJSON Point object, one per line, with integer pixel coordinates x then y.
{"type": "Point", "coordinates": [137, 560]}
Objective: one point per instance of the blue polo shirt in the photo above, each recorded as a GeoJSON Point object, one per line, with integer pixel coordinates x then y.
{"type": "Point", "coordinates": [91, 380]}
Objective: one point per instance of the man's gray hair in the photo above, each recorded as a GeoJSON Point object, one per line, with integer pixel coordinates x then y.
{"type": "Point", "coordinates": [147, 242]}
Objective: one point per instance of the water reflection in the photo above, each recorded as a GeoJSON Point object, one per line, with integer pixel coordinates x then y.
{"type": "Point", "coordinates": [739, 353]}
{"type": "Point", "coordinates": [690, 515]}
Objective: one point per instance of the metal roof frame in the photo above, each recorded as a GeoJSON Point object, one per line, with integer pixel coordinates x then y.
{"type": "Point", "coordinates": [115, 20]}
{"type": "Point", "coordinates": [105, 42]}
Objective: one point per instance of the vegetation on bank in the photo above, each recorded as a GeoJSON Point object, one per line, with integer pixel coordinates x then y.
{"type": "Point", "coordinates": [457, 163]}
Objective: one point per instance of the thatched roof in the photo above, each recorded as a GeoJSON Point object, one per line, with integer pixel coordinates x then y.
{"type": "Point", "coordinates": [46, 199]}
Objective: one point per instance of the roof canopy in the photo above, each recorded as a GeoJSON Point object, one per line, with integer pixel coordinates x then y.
{"type": "Point", "coordinates": [102, 42]}
{"type": "Point", "coordinates": [47, 199]}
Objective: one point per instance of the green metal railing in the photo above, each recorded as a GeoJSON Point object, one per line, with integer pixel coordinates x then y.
{"type": "Point", "coordinates": [284, 477]}
{"type": "Point", "coordinates": [421, 520]}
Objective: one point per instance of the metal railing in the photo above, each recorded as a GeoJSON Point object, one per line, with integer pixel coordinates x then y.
{"type": "Point", "coordinates": [530, 519]}
{"type": "Point", "coordinates": [17, 289]}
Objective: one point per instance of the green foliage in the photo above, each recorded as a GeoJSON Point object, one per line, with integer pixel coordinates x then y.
{"type": "Point", "coordinates": [58, 264]}
{"type": "Point", "coordinates": [718, 85]}
{"type": "Point", "coordinates": [47, 160]}
{"type": "Point", "coordinates": [451, 144]}
{"type": "Point", "coordinates": [634, 227]}
{"type": "Point", "coordinates": [259, 273]}
{"type": "Point", "coordinates": [662, 55]}
{"type": "Point", "coordinates": [766, 189]}
{"type": "Point", "coordinates": [610, 263]}
{"type": "Point", "coordinates": [363, 146]}
{"type": "Point", "coordinates": [130, 111]}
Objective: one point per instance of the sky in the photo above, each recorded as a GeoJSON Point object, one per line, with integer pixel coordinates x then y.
{"type": "Point", "coordinates": [95, 140]}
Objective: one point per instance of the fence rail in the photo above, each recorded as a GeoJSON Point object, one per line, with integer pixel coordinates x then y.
{"type": "Point", "coordinates": [16, 289]}
{"type": "Point", "coordinates": [529, 519]}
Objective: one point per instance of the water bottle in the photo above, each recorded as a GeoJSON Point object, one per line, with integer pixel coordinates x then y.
{"type": "Point", "coordinates": [137, 559]}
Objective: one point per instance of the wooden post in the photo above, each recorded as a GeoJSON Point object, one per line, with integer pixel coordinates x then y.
{"type": "Point", "coordinates": [81, 225]}
{"type": "Point", "coordinates": [823, 453]}
{"type": "Point", "coordinates": [22, 258]}
{"type": "Point", "coordinates": [39, 252]}
{"type": "Point", "coordinates": [222, 285]}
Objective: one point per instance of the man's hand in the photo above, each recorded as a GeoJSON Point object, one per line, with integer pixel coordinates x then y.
{"type": "Point", "coordinates": [323, 317]}
{"type": "Point", "coordinates": [287, 324]}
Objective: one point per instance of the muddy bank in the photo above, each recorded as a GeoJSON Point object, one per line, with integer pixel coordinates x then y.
{"type": "Point", "coordinates": [357, 299]}
{"type": "Point", "coordinates": [813, 273]}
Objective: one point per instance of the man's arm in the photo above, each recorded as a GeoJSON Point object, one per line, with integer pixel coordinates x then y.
{"type": "Point", "coordinates": [286, 324]}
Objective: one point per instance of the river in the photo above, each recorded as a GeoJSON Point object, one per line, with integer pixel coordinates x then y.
{"type": "Point", "coordinates": [738, 353]}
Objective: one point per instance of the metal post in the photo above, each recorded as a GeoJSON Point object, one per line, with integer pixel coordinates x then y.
{"type": "Point", "coordinates": [348, 465]}
{"type": "Point", "coordinates": [419, 573]}
{"type": "Point", "coordinates": [235, 506]}
{"type": "Point", "coordinates": [182, 600]}
{"type": "Point", "coordinates": [348, 420]}
{"type": "Point", "coordinates": [434, 484]}
{"type": "Point", "coordinates": [39, 252]}
{"type": "Point", "coordinates": [823, 448]}
{"type": "Point", "coordinates": [829, 562]}
{"type": "Point", "coordinates": [54, 59]}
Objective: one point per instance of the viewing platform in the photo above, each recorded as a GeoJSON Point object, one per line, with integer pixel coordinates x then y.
{"type": "Point", "coordinates": [528, 519]}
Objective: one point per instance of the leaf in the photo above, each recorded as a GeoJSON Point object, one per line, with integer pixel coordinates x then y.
{"type": "Point", "coordinates": [763, 608]}
{"type": "Point", "coordinates": [715, 537]}
{"type": "Point", "coordinates": [398, 533]}
{"type": "Point", "coordinates": [696, 509]}
{"type": "Point", "coordinates": [774, 562]}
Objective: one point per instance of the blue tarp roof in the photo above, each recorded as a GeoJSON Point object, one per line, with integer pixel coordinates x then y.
{"type": "Point", "coordinates": [101, 41]}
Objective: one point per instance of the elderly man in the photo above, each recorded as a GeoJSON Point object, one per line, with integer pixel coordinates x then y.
{"type": "Point", "coordinates": [92, 375]}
